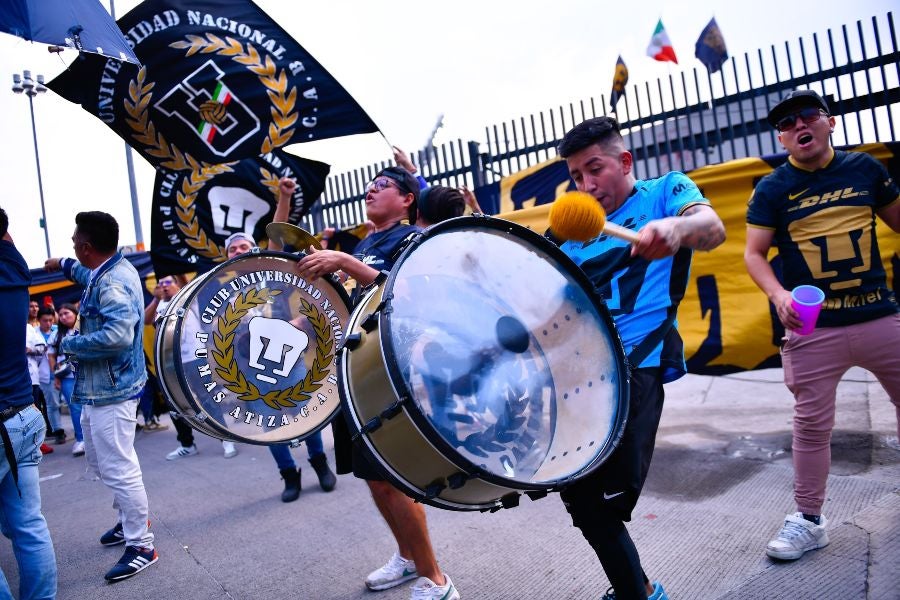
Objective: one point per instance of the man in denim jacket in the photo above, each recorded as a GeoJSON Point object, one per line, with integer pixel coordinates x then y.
{"type": "Point", "coordinates": [109, 377]}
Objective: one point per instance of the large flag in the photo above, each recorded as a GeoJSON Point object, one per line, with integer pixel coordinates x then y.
{"type": "Point", "coordinates": [221, 82]}
{"type": "Point", "coordinates": [195, 211]}
{"type": "Point", "coordinates": [710, 47]}
{"type": "Point", "coordinates": [619, 80]}
{"type": "Point", "coordinates": [660, 47]}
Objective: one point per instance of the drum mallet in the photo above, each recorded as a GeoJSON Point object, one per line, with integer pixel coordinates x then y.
{"type": "Point", "coordinates": [578, 216]}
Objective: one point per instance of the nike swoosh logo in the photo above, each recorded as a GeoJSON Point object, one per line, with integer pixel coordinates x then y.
{"type": "Point", "coordinates": [407, 572]}
{"type": "Point", "coordinates": [611, 496]}
{"type": "Point", "coordinates": [797, 195]}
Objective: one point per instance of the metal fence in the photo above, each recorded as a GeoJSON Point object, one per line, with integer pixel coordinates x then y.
{"type": "Point", "coordinates": [681, 122]}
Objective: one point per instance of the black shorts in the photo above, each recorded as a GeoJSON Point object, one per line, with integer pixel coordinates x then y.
{"type": "Point", "coordinates": [616, 485]}
{"type": "Point", "coordinates": [353, 457]}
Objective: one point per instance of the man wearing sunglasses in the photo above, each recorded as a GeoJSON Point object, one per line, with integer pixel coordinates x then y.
{"type": "Point", "coordinates": [391, 205]}
{"type": "Point", "coordinates": [818, 209]}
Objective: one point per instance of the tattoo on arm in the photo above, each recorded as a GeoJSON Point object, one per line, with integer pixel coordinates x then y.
{"type": "Point", "coordinates": [706, 231]}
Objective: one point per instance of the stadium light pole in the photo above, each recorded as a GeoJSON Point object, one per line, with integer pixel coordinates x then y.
{"type": "Point", "coordinates": [31, 88]}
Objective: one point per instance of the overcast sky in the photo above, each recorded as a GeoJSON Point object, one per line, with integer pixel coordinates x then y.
{"type": "Point", "coordinates": [406, 62]}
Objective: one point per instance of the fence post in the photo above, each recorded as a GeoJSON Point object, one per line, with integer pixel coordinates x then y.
{"type": "Point", "coordinates": [475, 165]}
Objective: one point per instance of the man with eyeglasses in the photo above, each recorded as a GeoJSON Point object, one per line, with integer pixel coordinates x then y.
{"type": "Point", "coordinates": [391, 204]}
{"type": "Point", "coordinates": [818, 209]}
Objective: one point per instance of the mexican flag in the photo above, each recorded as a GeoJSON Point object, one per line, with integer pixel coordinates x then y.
{"type": "Point", "coordinates": [660, 47]}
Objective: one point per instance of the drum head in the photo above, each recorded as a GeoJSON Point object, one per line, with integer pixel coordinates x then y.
{"type": "Point", "coordinates": [511, 362]}
{"type": "Point", "coordinates": [250, 350]}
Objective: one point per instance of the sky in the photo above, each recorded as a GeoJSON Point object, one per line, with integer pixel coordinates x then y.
{"type": "Point", "coordinates": [407, 62]}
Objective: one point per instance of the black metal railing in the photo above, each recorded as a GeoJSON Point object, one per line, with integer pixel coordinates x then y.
{"type": "Point", "coordinates": [681, 122]}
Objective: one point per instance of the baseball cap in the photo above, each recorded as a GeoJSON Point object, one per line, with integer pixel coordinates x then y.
{"type": "Point", "coordinates": [407, 183]}
{"type": "Point", "coordinates": [241, 235]}
{"type": "Point", "coordinates": [793, 101]}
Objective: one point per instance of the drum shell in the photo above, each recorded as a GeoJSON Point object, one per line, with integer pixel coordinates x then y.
{"type": "Point", "coordinates": [411, 460]}
{"type": "Point", "coordinates": [174, 339]}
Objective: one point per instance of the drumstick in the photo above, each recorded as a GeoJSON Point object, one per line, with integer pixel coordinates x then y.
{"type": "Point", "coordinates": [578, 216]}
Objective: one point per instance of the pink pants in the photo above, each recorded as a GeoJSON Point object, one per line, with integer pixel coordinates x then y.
{"type": "Point", "coordinates": [813, 366]}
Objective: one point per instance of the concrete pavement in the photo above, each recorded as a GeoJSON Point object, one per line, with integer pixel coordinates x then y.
{"type": "Point", "coordinates": [719, 488]}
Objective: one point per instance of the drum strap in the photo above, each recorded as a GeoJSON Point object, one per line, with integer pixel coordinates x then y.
{"type": "Point", "coordinates": [640, 352]}
{"type": "Point", "coordinates": [681, 263]}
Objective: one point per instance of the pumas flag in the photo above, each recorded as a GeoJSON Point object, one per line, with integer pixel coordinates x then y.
{"type": "Point", "coordinates": [660, 47]}
{"type": "Point", "coordinates": [221, 81]}
{"type": "Point", "coordinates": [710, 47]}
{"type": "Point", "coordinates": [620, 78]}
{"type": "Point", "coordinates": [195, 211]}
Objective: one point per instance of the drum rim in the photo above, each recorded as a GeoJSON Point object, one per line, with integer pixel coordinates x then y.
{"type": "Point", "coordinates": [191, 290]}
{"type": "Point", "coordinates": [578, 275]}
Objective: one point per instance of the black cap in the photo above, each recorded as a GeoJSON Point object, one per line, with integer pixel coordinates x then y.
{"type": "Point", "coordinates": [794, 100]}
{"type": "Point", "coordinates": [407, 183]}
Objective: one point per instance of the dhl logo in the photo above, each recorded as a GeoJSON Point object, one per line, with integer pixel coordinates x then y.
{"type": "Point", "coordinates": [811, 201]}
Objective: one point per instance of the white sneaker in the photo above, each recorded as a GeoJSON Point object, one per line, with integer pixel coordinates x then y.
{"type": "Point", "coordinates": [181, 452]}
{"type": "Point", "coordinates": [397, 570]}
{"type": "Point", "coordinates": [229, 449]}
{"type": "Point", "coordinates": [426, 589]}
{"type": "Point", "coordinates": [797, 536]}
{"type": "Point", "coordinates": [78, 448]}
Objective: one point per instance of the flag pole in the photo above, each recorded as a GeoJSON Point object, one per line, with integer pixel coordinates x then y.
{"type": "Point", "coordinates": [132, 186]}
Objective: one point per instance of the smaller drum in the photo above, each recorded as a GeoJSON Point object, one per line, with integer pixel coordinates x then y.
{"type": "Point", "coordinates": [483, 367]}
{"type": "Point", "coordinates": [246, 351]}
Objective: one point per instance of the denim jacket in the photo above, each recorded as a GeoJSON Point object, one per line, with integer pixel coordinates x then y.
{"type": "Point", "coordinates": [109, 350]}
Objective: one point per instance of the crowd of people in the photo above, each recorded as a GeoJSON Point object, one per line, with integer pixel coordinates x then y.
{"type": "Point", "coordinates": [72, 354]}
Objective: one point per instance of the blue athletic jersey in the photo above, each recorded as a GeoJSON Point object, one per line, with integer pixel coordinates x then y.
{"type": "Point", "coordinates": [637, 291]}
{"type": "Point", "coordinates": [824, 227]}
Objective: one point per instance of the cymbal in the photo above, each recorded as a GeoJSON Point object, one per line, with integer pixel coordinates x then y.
{"type": "Point", "coordinates": [291, 235]}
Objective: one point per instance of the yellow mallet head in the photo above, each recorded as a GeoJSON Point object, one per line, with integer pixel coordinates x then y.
{"type": "Point", "coordinates": [576, 216]}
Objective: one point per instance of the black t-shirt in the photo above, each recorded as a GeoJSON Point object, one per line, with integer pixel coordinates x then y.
{"type": "Point", "coordinates": [15, 383]}
{"type": "Point", "coordinates": [379, 250]}
{"type": "Point", "coordinates": [824, 227]}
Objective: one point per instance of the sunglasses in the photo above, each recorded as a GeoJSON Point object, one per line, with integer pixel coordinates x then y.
{"type": "Point", "coordinates": [808, 115]}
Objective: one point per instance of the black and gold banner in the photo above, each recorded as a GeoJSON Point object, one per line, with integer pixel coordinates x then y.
{"type": "Point", "coordinates": [726, 321]}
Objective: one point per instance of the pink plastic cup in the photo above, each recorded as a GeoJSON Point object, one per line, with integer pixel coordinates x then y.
{"type": "Point", "coordinates": [807, 301]}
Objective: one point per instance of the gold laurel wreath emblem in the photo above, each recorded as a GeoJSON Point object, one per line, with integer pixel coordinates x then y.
{"type": "Point", "coordinates": [284, 118]}
{"type": "Point", "coordinates": [235, 381]}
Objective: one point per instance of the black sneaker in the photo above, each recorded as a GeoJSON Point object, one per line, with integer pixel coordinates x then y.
{"type": "Point", "coordinates": [132, 562]}
{"type": "Point", "coordinates": [116, 536]}
{"type": "Point", "coordinates": [113, 537]}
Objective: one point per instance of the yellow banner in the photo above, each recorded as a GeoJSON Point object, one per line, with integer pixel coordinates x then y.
{"type": "Point", "coordinates": [725, 319]}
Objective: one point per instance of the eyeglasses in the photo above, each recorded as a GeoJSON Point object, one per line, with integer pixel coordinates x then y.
{"type": "Point", "coordinates": [379, 184]}
{"type": "Point", "coordinates": [809, 115]}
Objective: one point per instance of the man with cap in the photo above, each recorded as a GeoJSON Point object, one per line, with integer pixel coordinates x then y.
{"type": "Point", "coordinates": [391, 204]}
{"type": "Point", "coordinates": [818, 209]}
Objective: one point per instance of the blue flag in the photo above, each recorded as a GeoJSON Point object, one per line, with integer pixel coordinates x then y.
{"type": "Point", "coordinates": [710, 47]}
{"type": "Point", "coordinates": [221, 82]}
{"type": "Point", "coordinates": [619, 80]}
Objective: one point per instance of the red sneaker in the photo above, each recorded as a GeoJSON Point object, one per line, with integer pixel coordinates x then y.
{"type": "Point", "coordinates": [45, 449]}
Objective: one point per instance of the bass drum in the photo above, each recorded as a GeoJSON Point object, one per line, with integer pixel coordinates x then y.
{"type": "Point", "coordinates": [246, 352]}
{"type": "Point", "coordinates": [483, 367]}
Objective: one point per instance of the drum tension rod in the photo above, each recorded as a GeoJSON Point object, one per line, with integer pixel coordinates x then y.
{"type": "Point", "coordinates": [387, 414]}
{"type": "Point", "coordinates": [536, 494]}
{"type": "Point", "coordinates": [352, 341]}
{"type": "Point", "coordinates": [457, 480]}
{"type": "Point", "coordinates": [432, 490]}
{"type": "Point", "coordinates": [510, 500]}
{"type": "Point", "coordinates": [370, 323]}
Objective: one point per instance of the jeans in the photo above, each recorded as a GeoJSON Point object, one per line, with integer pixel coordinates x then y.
{"type": "Point", "coordinates": [51, 397]}
{"type": "Point", "coordinates": [282, 453]}
{"type": "Point", "coordinates": [66, 387]}
{"type": "Point", "coordinates": [109, 447]}
{"type": "Point", "coordinates": [20, 518]}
